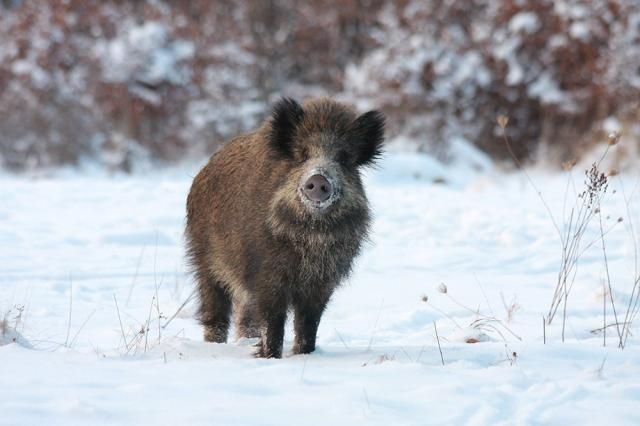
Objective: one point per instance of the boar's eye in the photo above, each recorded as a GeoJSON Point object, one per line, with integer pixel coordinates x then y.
{"type": "Point", "coordinates": [286, 116]}
{"type": "Point", "coordinates": [366, 135]}
{"type": "Point", "coordinates": [303, 155]}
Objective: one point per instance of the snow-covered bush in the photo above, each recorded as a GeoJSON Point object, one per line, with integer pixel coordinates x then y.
{"type": "Point", "coordinates": [556, 68]}
{"type": "Point", "coordinates": [117, 82]}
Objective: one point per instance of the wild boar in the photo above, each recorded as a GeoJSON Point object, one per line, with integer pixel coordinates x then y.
{"type": "Point", "coordinates": [276, 219]}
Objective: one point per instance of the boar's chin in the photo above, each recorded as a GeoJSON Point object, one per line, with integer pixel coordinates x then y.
{"type": "Point", "coordinates": [298, 220]}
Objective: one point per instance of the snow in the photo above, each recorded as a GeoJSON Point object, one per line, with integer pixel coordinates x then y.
{"type": "Point", "coordinates": [476, 240]}
{"type": "Point", "coordinates": [546, 89]}
{"type": "Point", "coordinates": [579, 30]}
{"type": "Point", "coordinates": [147, 53]}
{"type": "Point", "coordinates": [526, 22]}
{"type": "Point", "coordinates": [611, 124]}
{"type": "Point", "coordinates": [26, 68]}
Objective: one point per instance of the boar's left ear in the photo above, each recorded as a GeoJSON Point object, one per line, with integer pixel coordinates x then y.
{"type": "Point", "coordinates": [286, 115]}
{"type": "Point", "coordinates": [367, 136]}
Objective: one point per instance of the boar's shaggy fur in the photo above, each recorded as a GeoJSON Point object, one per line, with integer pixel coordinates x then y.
{"type": "Point", "coordinates": [276, 218]}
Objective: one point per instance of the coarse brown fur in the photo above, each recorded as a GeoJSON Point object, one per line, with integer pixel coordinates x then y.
{"type": "Point", "coordinates": [257, 244]}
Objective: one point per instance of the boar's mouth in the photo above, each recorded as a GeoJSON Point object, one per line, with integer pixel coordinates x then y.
{"type": "Point", "coordinates": [318, 191]}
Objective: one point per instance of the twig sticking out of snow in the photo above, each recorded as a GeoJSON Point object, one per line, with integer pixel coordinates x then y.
{"type": "Point", "coordinates": [124, 337]}
{"type": "Point", "coordinates": [135, 275]}
{"type": "Point", "coordinates": [366, 398]}
{"type": "Point", "coordinates": [634, 300]}
{"type": "Point", "coordinates": [187, 300]}
{"type": "Point", "coordinates": [375, 326]}
{"type": "Point", "coordinates": [341, 339]}
{"type": "Point", "coordinates": [438, 340]}
{"type": "Point", "coordinates": [66, 340]}
{"type": "Point", "coordinates": [502, 122]}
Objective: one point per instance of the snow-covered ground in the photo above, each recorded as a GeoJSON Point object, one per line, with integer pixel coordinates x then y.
{"type": "Point", "coordinates": [82, 258]}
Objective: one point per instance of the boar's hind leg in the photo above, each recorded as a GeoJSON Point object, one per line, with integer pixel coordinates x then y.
{"type": "Point", "coordinates": [215, 310]}
{"type": "Point", "coordinates": [308, 311]}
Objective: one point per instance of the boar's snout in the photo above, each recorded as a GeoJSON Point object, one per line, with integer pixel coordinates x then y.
{"type": "Point", "coordinates": [317, 188]}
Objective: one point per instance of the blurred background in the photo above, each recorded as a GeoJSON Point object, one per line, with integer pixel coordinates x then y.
{"type": "Point", "coordinates": [123, 84]}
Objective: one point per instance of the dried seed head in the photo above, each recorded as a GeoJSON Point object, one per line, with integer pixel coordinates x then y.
{"type": "Point", "coordinates": [502, 120]}
{"type": "Point", "coordinates": [442, 288]}
{"type": "Point", "coordinates": [568, 165]}
{"type": "Point", "coordinates": [596, 184]}
{"type": "Point", "coordinates": [620, 219]}
{"type": "Point", "coordinates": [425, 298]}
{"type": "Point", "coordinates": [613, 137]}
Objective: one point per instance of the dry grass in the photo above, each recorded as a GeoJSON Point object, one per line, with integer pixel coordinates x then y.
{"type": "Point", "coordinates": [488, 325]}
{"type": "Point", "coordinates": [139, 337]}
{"type": "Point", "coordinates": [587, 208]}
{"type": "Point", "coordinates": [584, 211]}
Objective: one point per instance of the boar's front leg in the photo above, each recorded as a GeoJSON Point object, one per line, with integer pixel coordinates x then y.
{"type": "Point", "coordinates": [308, 311]}
{"type": "Point", "coordinates": [273, 316]}
{"type": "Point", "coordinates": [247, 322]}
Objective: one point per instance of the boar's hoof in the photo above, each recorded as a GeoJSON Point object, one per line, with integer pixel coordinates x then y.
{"type": "Point", "coordinates": [261, 352]}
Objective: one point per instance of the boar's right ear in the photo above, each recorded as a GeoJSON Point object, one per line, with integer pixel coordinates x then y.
{"type": "Point", "coordinates": [286, 115]}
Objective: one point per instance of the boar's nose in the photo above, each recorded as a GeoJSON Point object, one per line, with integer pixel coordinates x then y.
{"type": "Point", "coordinates": [317, 188]}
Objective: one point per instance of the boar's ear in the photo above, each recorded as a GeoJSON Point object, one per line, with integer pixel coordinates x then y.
{"type": "Point", "coordinates": [366, 134]}
{"type": "Point", "coordinates": [286, 116]}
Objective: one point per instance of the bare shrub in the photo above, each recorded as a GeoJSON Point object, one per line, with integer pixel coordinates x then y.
{"type": "Point", "coordinates": [487, 324]}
